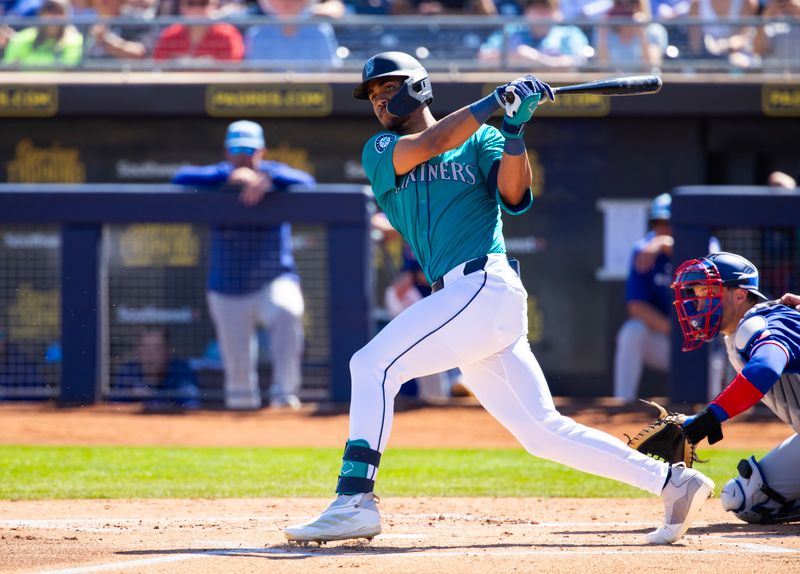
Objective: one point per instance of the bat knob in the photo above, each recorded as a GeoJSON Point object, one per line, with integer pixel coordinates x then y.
{"type": "Point", "coordinates": [509, 97]}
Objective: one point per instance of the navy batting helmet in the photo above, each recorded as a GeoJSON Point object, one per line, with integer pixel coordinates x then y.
{"type": "Point", "coordinates": [416, 89]}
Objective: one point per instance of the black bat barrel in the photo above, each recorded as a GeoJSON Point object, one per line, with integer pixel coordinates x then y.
{"type": "Point", "coordinates": [625, 86]}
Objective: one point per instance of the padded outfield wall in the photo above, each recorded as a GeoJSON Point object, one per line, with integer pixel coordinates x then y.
{"type": "Point", "coordinates": [597, 163]}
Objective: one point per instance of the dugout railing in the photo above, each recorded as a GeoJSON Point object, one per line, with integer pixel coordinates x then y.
{"type": "Point", "coordinates": [759, 223]}
{"type": "Point", "coordinates": [72, 256]}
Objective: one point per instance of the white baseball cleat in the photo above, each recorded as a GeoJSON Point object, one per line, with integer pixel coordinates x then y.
{"type": "Point", "coordinates": [683, 496]}
{"type": "Point", "coordinates": [349, 516]}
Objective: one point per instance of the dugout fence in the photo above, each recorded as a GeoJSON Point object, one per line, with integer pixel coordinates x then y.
{"type": "Point", "coordinates": [84, 269]}
{"type": "Point", "coordinates": [87, 270]}
{"type": "Point", "coordinates": [759, 223]}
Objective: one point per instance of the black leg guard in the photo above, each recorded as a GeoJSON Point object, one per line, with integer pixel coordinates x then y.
{"type": "Point", "coordinates": [357, 459]}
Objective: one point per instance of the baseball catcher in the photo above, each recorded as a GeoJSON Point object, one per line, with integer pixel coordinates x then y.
{"type": "Point", "coordinates": [719, 294]}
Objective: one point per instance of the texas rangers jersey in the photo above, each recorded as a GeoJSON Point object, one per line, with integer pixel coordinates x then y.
{"type": "Point", "coordinates": [775, 324]}
{"type": "Point", "coordinates": [448, 208]}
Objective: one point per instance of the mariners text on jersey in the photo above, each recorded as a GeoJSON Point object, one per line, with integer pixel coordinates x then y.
{"type": "Point", "coordinates": [445, 171]}
{"type": "Point", "coordinates": [430, 204]}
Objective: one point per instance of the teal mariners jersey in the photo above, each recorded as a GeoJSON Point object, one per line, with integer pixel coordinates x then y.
{"type": "Point", "coordinates": [448, 208]}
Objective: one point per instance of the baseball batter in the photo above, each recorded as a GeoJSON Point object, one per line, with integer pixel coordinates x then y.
{"type": "Point", "coordinates": [719, 294]}
{"type": "Point", "coordinates": [443, 185]}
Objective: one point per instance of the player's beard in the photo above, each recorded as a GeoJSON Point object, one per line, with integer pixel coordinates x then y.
{"type": "Point", "coordinates": [397, 124]}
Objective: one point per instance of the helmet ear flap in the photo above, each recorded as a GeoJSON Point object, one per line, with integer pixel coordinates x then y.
{"type": "Point", "coordinates": [414, 92]}
{"type": "Point", "coordinates": [423, 89]}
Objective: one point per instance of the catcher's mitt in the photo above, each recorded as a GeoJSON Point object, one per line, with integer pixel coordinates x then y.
{"type": "Point", "coordinates": [664, 439]}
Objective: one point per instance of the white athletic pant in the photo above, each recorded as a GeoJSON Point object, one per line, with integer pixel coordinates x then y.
{"type": "Point", "coordinates": [637, 346]}
{"type": "Point", "coordinates": [279, 307]}
{"type": "Point", "coordinates": [781, 467]}
{"type": "Point", "coordinates": [478, 322]}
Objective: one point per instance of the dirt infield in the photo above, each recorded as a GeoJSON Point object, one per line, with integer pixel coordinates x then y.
{"type": "Point", "coordinates": [420, 535]}
{"type": "Point", "coordinates": [464, 425]}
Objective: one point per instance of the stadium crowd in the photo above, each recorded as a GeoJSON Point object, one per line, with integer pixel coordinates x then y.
{"type": "Point", "coordinates": [321, 34]}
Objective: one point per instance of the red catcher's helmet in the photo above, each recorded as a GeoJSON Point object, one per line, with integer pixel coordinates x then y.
{"type": "Point", "coordinates": [698, 287]}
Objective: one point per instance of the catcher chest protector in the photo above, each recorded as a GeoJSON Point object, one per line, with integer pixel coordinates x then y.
{"type": "Point", "coordinates": [415, 91]}
{"type": "Point", "coordinates": [751, 499]}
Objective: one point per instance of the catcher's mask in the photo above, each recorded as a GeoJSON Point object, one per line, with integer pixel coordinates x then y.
{"type": "Point", "coordinates": [415, 91]}
{"type": "Point", "coordinates": [698, 287]}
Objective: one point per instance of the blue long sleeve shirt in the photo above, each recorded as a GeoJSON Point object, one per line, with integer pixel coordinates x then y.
{"type": "Point", "coordinates": [243, 259]}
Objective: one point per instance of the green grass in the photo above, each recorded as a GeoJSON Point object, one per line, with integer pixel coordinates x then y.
{"type": "Point", "coordinates": [35, 473]}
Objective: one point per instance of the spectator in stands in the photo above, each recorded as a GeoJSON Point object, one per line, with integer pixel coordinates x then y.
{"type": "Point", "coordinates": [444, 7]}
{"type": "Point", "coordinates": [669, 9]}
{"type": "Point", "coordinates": [32, 7]}
{"type": "Point", "coordinates": [779, 42]}
{"type": "Point", "coordinates": [722, 40]}
{"type": "Point", "coordinates": [538, 42]}
{"type": "Point", "coordinates": [129, 42]}
{"type": "Point", "coordinates": [218, 41]}
{"type": "Point", "coordinates": [369, 7]}
{"type": "Point", "coordinates": [163, 382]}
{"type": "Point", "coordinates": [635, 41]}
{"type": "Point", "coordinates": [47, 44]}
{"type": "Point", "coordinates": [17, 369]}
{"type": "Point", "coordinates": [312, 44]}
{"type": "Point", "coordinates": [252, 275]}
{"type": "Point", "coordinates": [6, 33]}
{"type": "Point", "coordinates": [333, 9]}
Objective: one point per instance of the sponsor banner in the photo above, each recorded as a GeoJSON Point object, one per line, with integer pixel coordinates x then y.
{"type": "Point", "coordinates": [147, 169]}
{"type": "Point", "coordinates": [159, 245]}
{"type": "Point", "coordinates": [28, 101]}
{"type": "Point", "coordinates": [53, 163]}
{"type": "Point", "coordinates": [32, 240]}
{"type": "Point", "coordinates": [150, 314]}
{"type": "Point", "coordinates": [576, 106]}
{"type": "Point", "coordinates": [297, 100]}
{"type": "Point", "coordinates": [780, 100]}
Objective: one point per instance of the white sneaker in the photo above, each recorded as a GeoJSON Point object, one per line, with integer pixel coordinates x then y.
{"type": "Point", "coordinates": [683, 496]}
{"type": "Point", "coordinates": [349, 516]}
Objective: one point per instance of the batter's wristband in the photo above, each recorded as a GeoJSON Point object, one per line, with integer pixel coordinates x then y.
{"type": "Point", "coordinates": [484, 109]}
{"type": "Point", "coordinates": [515, 146]}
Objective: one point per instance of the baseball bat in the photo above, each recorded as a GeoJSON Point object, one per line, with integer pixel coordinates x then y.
{"type": "Point", "coordinates": [624, 86]}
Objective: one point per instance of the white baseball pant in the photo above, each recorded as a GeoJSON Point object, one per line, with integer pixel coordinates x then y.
{"type": "Point", "coordinates": [478, 322]}
{"type": "Point", "coordinates": [278, 307]}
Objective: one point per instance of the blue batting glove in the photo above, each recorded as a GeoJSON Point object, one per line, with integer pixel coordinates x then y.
{"type": "Point", "coordinates": [521, 97]}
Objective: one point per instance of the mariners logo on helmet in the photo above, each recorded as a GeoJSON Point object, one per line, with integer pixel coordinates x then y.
{"type": "Point", "coordinates": [369, 67]}
{"type": "Point", "coordinates": [383, 142]}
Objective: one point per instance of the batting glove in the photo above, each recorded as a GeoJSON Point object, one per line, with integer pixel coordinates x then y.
{"type": "Point", "coordinates": [520, 99]}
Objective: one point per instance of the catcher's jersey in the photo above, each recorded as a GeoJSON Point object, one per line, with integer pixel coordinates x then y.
{"type": "Point", "coordinates": [448, 208]}
{"type": "Point", "coordinates": [772, 323]}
